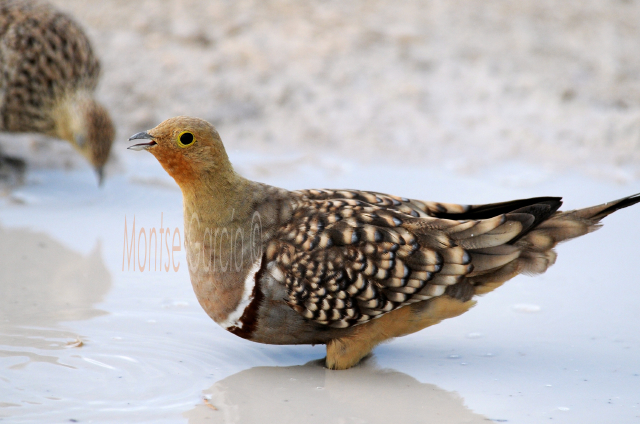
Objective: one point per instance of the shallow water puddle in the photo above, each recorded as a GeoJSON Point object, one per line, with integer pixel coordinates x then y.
{"type": "Point", "coordinates": [84, 336]}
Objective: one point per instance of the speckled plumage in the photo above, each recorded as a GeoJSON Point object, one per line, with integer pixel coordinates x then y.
{"type": "Point", "coordinates": [349, 256]}
{"type": "Point", "coordinates": [48, 74]}
{"type": "Point", "coordinates": [345, 268]}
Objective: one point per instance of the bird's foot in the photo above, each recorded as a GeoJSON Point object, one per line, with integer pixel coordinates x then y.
{"type": "Point", "coordinates": [346, 352]}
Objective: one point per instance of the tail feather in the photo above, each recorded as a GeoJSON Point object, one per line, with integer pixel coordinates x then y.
{"type": "Point", "coordinates": [536, 241]}
{"type": "Point", "coordinates": [570, 224]}
{"type": "Point", "coordinates": [601, 211]}
{"type": "Point", "coordinates": [494, 209]}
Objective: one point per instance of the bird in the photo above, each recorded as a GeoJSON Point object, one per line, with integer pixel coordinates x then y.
{"type": "Point", "coordinates": [349, 269]}
{"type": "Point", "coordinates": [48, 76]}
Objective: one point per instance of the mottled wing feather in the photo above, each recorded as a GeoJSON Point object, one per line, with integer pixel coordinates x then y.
{"type": "Point", "coordinates": [346, 261]}
{"type": "Point", "coordinates": [419, 208]}
{"type": "Point", "coordinates": [416, 208]}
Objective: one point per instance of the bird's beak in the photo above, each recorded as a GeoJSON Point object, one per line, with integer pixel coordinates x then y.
{"type": "Point", "coordinates": [142, 136]}
{"type": "Point", "coordinates": [100, 172]}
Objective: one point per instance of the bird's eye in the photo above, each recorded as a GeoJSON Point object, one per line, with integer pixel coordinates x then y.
{"type": "Point", "coordinates": [186, 139]}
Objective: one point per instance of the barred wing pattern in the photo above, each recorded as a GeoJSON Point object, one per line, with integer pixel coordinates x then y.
{"type": "Point", "coordinates": [349, 259]}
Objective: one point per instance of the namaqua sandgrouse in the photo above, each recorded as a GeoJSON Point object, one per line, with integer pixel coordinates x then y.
{"type": "Point", "coordinates": [345, 268]}
{"type": "Point", "coordinates": [48, 75]}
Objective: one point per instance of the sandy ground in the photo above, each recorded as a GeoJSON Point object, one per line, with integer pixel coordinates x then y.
{"type": "Point", "coordinates": [455, 101]}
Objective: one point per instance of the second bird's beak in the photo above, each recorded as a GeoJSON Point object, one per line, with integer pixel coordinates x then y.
{"type": "Point", "coordinates": [100, 172]}
{"type": "Point", "coordinates": [142, 136]}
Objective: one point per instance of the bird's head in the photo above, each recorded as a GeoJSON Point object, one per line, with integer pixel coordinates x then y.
{"type": "Point", "coordinates": [100, 134]}
{"type": "Point", "coordinates": [189, 149]}
{"type": "Point", "coordinates": [87, 125]}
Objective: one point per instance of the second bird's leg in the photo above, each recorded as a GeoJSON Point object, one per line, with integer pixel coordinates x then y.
{"type": "Point", "coordinates": [12, 169]}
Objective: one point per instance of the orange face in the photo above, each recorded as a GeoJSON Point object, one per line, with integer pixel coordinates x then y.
{"type": "Point", "coordinates": [187, 148]}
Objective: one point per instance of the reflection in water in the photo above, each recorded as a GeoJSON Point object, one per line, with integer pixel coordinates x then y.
{"type": "Point", "coordinates": [313, 394]}
{"type": "Point", "coordinates": [43, 283]}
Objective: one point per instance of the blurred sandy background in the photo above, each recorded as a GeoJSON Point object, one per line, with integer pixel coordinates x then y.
{"type": "Point", "coordinates": [456, 84]}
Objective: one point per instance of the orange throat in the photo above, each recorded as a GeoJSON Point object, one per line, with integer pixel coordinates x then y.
{"type": "Point", "coordinates": [177, 166]}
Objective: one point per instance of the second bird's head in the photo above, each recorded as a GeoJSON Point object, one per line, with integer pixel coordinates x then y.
{"type": "Point", "coordinates": [86, 124]}
{"type": "Point", "coordinates": [189, 149]}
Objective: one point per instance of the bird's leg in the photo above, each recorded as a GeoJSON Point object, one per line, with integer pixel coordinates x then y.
{"type": "Point", "coordinates": [345, 352]}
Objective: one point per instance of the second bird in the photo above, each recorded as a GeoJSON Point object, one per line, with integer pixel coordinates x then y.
{"type": "Point", "coordinates": [48, 75]}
